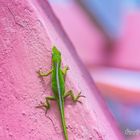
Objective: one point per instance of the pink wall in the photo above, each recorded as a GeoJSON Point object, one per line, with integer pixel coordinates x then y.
{"type": "Point", "coordinates": [127, 52]}
{"type": "Point", "coordinates": [27, 31]}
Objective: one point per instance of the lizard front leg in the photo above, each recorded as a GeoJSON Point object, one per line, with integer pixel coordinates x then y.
{"type": "Point", "coordinates": [43, 74]}
{"type": "Point", "coordinates": [73, 97]}
{"type": "Point", "coordinates": [64, 70]}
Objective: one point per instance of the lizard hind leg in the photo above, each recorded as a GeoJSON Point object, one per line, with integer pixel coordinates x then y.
{"type": "Point", "coordinates": [73, 97]}
{"type": "Point", "coordinates": [46, 105]}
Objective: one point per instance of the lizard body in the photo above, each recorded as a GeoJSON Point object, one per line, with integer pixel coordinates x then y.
{"type": "Point", "coordinates": [58, 87]}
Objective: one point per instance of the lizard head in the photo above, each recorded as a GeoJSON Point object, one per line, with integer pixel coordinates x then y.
{"type": "Point", "coordinates": [56, 55]}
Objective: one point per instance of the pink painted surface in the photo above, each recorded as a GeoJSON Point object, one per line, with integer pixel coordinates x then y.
{"type": "Point", "coordinates": [27, 31]}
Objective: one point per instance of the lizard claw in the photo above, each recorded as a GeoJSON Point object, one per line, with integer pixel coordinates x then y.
{"type": "Point", "coordinates": [67, 68]}
{"type": "Point", "coordinates": [78, 96]}
{"type": "Point", "coordinates": [38, 73]}
{"type": "Point", "coordinates": [42, 106]}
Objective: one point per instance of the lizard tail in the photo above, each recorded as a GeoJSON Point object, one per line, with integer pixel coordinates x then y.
{"type": "Point", "coordinates": [61, 107]}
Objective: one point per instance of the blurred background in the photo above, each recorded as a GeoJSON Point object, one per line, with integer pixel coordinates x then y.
{"type": "Point", "coordinates": [107, 39]}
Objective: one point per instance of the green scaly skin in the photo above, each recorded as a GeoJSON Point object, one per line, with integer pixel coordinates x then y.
{"type": "Point", "coordinates": [58, 87]}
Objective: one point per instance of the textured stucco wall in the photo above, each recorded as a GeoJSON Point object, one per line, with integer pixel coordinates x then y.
{"type": "Point", "coordinates": [27, 31]}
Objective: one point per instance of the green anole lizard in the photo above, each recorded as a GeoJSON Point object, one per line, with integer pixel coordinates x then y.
{"type": "Point", "coordinates": [58, 87]}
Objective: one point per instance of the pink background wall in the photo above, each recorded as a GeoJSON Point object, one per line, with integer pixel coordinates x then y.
{"type": "Point", "coordinates": [27, 31]}
{"type": "Point", "coordinates": [90, 42]}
